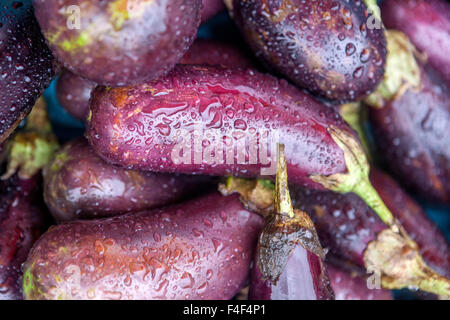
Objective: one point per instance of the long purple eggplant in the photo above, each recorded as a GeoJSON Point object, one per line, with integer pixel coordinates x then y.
{"type": "Point", "coordinates": [200, 249]}
{"type": "Point", "coordinates": [23, 215]}
{"type": "Point", "coordinates": [26, 64]}
{"type": "Point", "coordinates": [410, 117]}
{"type": "Point", "coordinates": [184, 122]}
{"type": "Point", "coordinates": [78, 184]}
{"type": "Point", "coordinates": [427, 24]}
{"type": "Point", "coordinates": [289, 261]}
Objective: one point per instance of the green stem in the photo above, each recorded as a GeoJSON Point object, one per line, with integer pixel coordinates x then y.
{"type": "Point", "coordinates": [367, 192]}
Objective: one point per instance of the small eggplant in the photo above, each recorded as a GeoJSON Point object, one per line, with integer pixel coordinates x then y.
{"type": "Point", "coordinates": [78, 184]}
{"type": "Point", "coordinates": [200, 249]}
{"type": "Point", "coordinates": [118, 42]}
{"type": "Point", "coordinates": [289, 261]}
{"type": "Point", "coordinates": [427, 24]}
{"type": "Point", "coordinates": [26, 64]}
{"type": "Point", "coordinates": [324, 46]}
{"type": "Point", "coordinates": [200, 119]}
{"type": "Point", "coordinates": [23, 215]}
{"type": "Point", "coordinates": [410, 117]}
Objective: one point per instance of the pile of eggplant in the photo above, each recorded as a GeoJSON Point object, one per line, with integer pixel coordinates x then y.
{"type": "Point", "coordinates": [284, 165]}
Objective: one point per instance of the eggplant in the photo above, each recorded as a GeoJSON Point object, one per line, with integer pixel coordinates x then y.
{"type": "Point", "coordinates": [199, 249]}
{"type": "Point", "coordinates": [78, 184]}
{"type": "Point", "coordinates": [324, 46]}
{"type": "Point", "coordinates": [119, 42]}
{"type": "Point", "coordinates": [27, 65]}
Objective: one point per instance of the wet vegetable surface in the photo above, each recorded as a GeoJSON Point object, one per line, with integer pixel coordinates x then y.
{"type": "Point", "coordinates": [325, 46]}
{"type": "Point", "coordinates": [411, 136]}
{"type": "Point", "coordinates": [200, 249]}
{"type": "Point", "coordinates": [427, 24]}
{"type": "Point", "coordinates": [346, 225]}
{"type": "Point", "coordinates": [79, 184]}
{"type": "Point", "coordinates": [23, 218]}
{"type": "Point", "coordinates": [118, 42]}
{"type": "Point", "coordinates": [26, 64]}
{"type": "Point", "coordinates": [348, 286]}
{"type": "Point", "coordinates": [148, 126]}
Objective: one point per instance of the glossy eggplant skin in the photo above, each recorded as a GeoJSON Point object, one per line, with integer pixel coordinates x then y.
{"type": "Point", "coordinates": [411, 137]}
{"type": "Point", "coordinates": [210, 8]}
{"type": "Point", "coordinates": [141, 127]}
{"type": "Point", "coordinates": [26, 64]}
{"type": "Point", "coordinates": [119, 42]}
{"type": "Point", "coordinates": [427, 24]}
{"type": "Point", "coordinates": [73, 93]}
{"type": "Point", "coordinates": [353, 286]}
{"type": "Point", "coordinates": [78, 184]}
{"type": "Point", "coordinates": [301, 279]}
{"type": "Point", "coordinates": [22, 220]}
{"type": "Point", "coordinates": [323, 46]}
{"type": "Point", "coordinates": [212, 52]}
{"type": "Point", "coordinates": [346, 225]}
{"type": "Point", "coordinates": [200, 249]}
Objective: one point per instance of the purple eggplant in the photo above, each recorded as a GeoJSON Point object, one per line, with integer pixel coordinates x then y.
{"type": "Point", "coordinates": [73, 94]}
{"type": "Point", "coordinates": [26, 64]}
{"type": "Point", "coordinates": [218, 121]}
{"type": "Point", "coordinates": [416, 257]}
{"type": "Point", "coordinates": [200, 249]}
{"type": "Point", "coordinates": [353, 286]}
{"type": "Point", "coordinates": [410, 121]}
{"type": "Point", "coordinates": [324, 46]}
{"type": "Point", "coordinates": [289, 261]}
{"type": "Point", "coordinates": [118, 42]}
{"type": "Point", "coordinates": [78, 184]}
{"type": "Point", "coordinates": [23, 215]}
{"type": "Point", "coordinates": [427, 24]}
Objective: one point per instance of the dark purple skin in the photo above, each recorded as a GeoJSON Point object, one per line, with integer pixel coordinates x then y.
{"type": "Point", "coordinates": [210, 8]}
{"type": "Point", "coordinates": [346, 225]}
{"type": "Point", "coordinates": [22, 219]}
{"type": "Point", "coordinates": [323, 46]}
{"type": "Point", "coordinates": [137, 127]}
{"type": "Point", "coordinates": [212, 52]}
{"type": "Point", "coordinates": [411, 137]}
{"type": "Point", "coordinates": [78, 184]}
{"type": "Point", "coordinates": [120, 42]}
{"type": "Point", "coordinates": [73, 94]}
{"type": "Point", "coordinates": [26, 64]}
{"type": "Point", "coordinates": [200, 249]}
{"type": "Point", "coordinates": [301, 279]}
{"type": "Point", "coordinates": [427, 24]}
{"type": "Point", "coordinates": [353, 286]}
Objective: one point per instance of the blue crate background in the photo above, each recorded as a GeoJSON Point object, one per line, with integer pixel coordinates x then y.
{"type": "Point", "coordinates": [221, 28]}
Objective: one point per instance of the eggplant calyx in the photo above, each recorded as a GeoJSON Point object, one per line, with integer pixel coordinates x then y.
{"type": "Point", "coordinates": [285, 229]}
{"type": "Point", "coordinates": [255, 194]}
{"type": "Point", "coordinates": [32, 148]}
{"type": "Point", "coordinates": [398, 261]}
{"type": "Point", "coordinates": [356, 179]}
{"type": "Point", "coordinates": [402, 70]}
